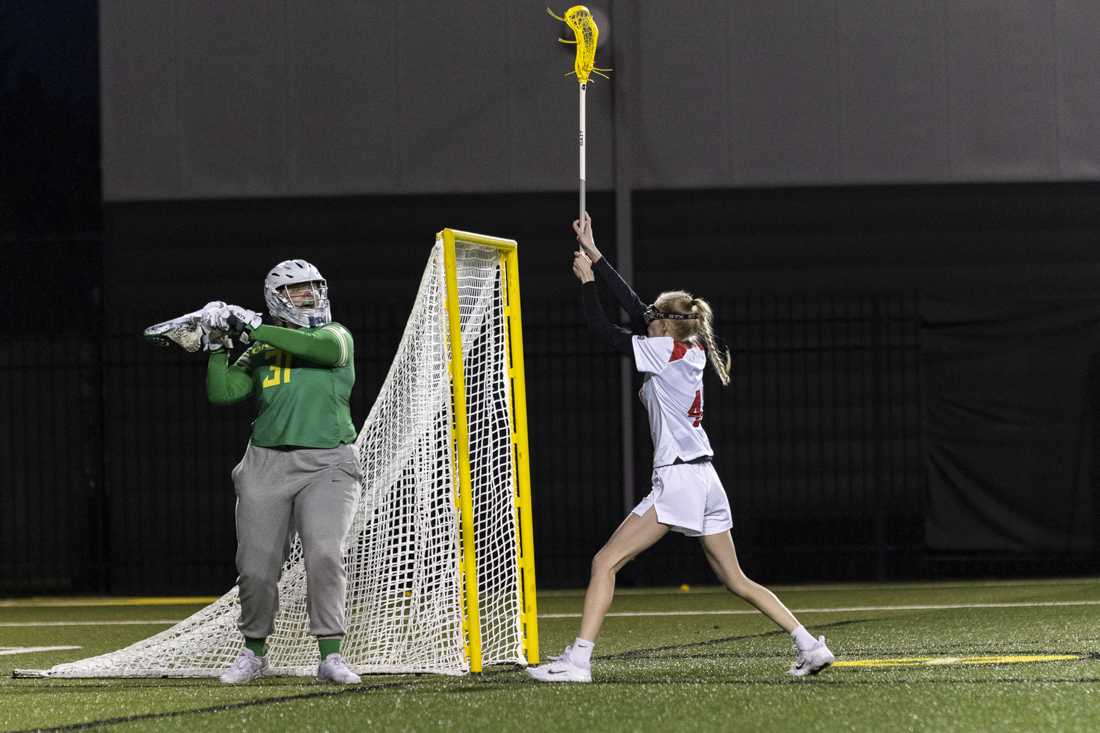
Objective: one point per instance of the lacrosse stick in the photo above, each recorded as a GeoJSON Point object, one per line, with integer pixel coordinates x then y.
{"type": "Point", "coordinates": [586, 35]}
{"type": "Point", "coordinates": [185, 331]}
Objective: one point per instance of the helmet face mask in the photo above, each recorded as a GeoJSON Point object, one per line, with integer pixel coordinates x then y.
{"type": "Point", "coordinates": [303, 295]}
{"type": "Point", "coordinates": [281, 305]}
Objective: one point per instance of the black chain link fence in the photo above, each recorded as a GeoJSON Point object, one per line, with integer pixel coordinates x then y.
{"type": "Point", "coordinates": [118, 469]}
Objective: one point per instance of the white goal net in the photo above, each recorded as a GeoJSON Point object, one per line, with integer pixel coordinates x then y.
{"type": "Point", "coordinates": [405, 591]}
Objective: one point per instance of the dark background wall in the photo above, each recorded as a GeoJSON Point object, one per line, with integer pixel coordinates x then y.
{"type": "Point", "coordinates": [253, 98]}
{"type": "Point", "coordinates": [911, 346]}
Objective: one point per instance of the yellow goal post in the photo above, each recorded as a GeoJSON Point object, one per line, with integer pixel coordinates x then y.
{"type": "Point", "coordinates": [508, 253]}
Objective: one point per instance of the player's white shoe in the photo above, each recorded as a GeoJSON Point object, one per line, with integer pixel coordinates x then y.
{"type": "Point", "coordinates": [333, 668]}
{"type": "Point", "coordinates": [812, 660]}
{"type": "Point", "coordinates": [561, 669]}
{"type": "Point", "coordinates": [563, 655]}
{"type": "Point", "coordinates": [245, 668]}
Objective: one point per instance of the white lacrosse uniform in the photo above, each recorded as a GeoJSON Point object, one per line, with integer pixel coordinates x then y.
{"type": "Point", "coordinates": [688, 496]}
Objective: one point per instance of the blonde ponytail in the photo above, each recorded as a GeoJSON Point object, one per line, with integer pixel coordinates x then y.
{"type": "Point", "coordinates": [720, 360]}
{"type": "Point", "coordinates": [698, 331]}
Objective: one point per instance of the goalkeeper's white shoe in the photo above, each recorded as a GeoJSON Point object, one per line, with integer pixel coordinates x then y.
{"type": "Point", "coordinates": [561, 669]}
{"type": "Point", "coordinates": [811, 661]}
{"type": "Point", "coordinates": [333, 668]}
{"type": "Point", "coordinates": [245, 668]}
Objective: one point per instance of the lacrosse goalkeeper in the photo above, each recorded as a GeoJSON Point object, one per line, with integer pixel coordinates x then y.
{"type": "Point", "coordinates": [299, 472]}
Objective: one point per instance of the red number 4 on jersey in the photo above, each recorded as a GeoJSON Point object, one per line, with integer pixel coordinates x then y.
{"type": "Point", "coordinates": [696, 409]}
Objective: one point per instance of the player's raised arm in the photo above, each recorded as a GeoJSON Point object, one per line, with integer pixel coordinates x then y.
{"type": "Point", "coordinates": [618, 337]}
{"type": "Point", "coordinates": [624, 294]}
{"type": "Point", "coordinates": [330, 345]}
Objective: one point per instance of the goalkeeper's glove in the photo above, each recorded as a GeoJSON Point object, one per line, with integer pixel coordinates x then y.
{"type": "Point", "coordinates": [209, 309]}
{"type": "Point", "coordinates": [233, 320]}
{"type": "Point", "coordinates": [212, 339]}
{"type": "Point", "coordinates": [241, 321]}
{"type": "Point", "coordinates": [212, 316]}
{"type": "Point", "coordinates": [215, 340]}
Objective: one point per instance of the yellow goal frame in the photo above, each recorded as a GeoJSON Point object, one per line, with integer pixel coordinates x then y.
{"type": "Point", "coordinates": [508, 251]}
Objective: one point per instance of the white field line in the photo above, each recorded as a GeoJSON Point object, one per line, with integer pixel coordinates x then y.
{"type": "Point", "coordinates": [844, 587]}
{"type": "Point", "coordinates": [7, 650]}
{"type": "Point", "coordinates": [633, 614]}
{"type": "Point", "coordinates": [847, 609]}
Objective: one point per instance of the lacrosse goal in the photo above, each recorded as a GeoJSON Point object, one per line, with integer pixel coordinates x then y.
{"type": "Point", "coordinates": [440, 556]}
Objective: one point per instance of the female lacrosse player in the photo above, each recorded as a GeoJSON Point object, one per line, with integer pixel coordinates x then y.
{"type": "Point", "coordinates": [687, 495]}
{"type": "Point", "coordinates": [300, 472]}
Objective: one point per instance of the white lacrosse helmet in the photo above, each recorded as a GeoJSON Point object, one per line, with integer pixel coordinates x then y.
{"type": "Point", "coordinates": [279, 305]}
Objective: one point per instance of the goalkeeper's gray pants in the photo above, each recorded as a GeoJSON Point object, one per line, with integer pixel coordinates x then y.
{"type": "Point", "coordinates": [311, 491]}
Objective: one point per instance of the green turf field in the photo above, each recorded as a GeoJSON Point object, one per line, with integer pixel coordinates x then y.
{"type": "Point", "coordinates": [696, 660]}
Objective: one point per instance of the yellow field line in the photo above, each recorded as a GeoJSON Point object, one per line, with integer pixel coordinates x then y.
{"type": "Point", "coordinates": [950, 661]}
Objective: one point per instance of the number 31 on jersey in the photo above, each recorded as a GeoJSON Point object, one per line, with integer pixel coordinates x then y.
{"type": "Point", "coordinates": [278, 365]}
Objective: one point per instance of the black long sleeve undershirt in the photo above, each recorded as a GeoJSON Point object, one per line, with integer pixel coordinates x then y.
{"type": "Point", "coordinates": [628, 299]}
{"type": "Point", "coordinates": [598, 322]}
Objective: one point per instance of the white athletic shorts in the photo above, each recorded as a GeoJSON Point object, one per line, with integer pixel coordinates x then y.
{"type": "Point", "coordinates": [689, 498]}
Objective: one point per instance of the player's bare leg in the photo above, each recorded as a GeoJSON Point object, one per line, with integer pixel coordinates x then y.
{"type": "Point", "coordinates": [634, 536]}
{"type": "Point", "coordinates": [722, 556]}
{"type": "Point", "coordinates": [812, 654]}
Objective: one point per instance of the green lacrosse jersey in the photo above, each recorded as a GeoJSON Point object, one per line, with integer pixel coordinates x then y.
{"type": "Point", "coordinates": [300, 402]}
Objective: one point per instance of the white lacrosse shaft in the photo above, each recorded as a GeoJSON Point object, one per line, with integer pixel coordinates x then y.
{"type": "Point", "coordinates": [583, 87]}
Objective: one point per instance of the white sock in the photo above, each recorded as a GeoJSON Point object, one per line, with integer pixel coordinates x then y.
{"type": "Point", "coordinates": [581, 655]}
{"type": "Point", "coordinates": [802, 639]}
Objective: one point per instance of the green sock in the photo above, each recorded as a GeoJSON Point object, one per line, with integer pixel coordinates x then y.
{"type": "Point", "coordinates": [329, 646]}
{"type": "Point", "coordinates": [257, 646]}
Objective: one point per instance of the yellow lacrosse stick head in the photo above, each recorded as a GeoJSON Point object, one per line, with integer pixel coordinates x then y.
{"type": "Point", "coordinates": [586, 35]}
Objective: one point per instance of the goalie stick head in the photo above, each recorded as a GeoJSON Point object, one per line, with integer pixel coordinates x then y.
{"type": "Point", "coordinates": [282, 307]}
{"type": "Point", "coordinates": [187, 331]}
{"type": "Point", "coordinates": [184, 331]}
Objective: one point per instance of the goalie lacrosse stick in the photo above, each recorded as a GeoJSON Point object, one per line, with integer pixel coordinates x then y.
{"type": "Point", "coordinates": [184, 331]}
{"type": "Point", "coordinates": [586, 35]}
